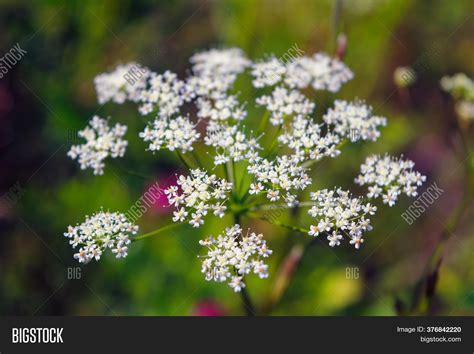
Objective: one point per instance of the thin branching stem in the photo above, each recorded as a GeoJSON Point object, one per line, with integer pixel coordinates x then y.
{"type": "Point", "coordinates": [131, 172]}
{"type": "Point", "coordinates": [183, 160]}
{"type": "Point", "coordinates": [278, 223]}
{"type": "Point", "coordinates": [156, 232]}
{"type": "Point", "coordinates": [247, 302]}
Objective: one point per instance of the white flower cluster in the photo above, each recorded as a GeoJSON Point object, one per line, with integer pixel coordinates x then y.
{"type": "Point", "coordinates": [305, 138]}
{"type": "Point", "coordinates": [340, 214]}
{"type": "Point", "coordinates": [214, 72]}
{"type": "Point", "coordinates": [170, 133]}
{"type": "Point", "coordinates": [233, 255]}
{"type": "Point", "coordinates": [320, 71]}
{"type": "Point", "coordinates": [459, 85]}
{"type": "Point", "coordinates": [268, 72]}
{"type": "Point", "coordinates": [101, 231]}
{"type": "Point", "coordinates": [389, 177]}
{"type": "Point", "coordinates": [231, 143]}
{"type": "Point", "coordinates": [278, 178]}
{"type": "Point", "coordinates": [101, 142]}
{"type": "Point", "coordinates": [124, 83]}
{"type": "Point", "coordinates": [199, 194]}
{"type": "Point", "coordinates": [209, 86]}
{"type": "Point", "coordinates": [166, 94]}
{"type": "Point", "coordinates": [284, 102]}
{"type": "Point", "coordinates": [215, 62]}
{"type": "Point", "coordinates": [221, 109]}
{"type": "Point", "coordinates": [354, 121]}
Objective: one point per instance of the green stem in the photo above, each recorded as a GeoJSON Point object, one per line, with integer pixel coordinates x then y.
{"type": "Point", "coordinates": [278, 223]}
{"type": "Point", "coordinates": [132, 173]}
{"type": "Point", "coordinates": [183, 160]}
{"type": "Point", "coordinates": [156, 232]}
{"type": "Point", "coordinates": [249, 307]}
{"type": "Point", "coordinates": [263, 122]}
{"type": "Point", "coordinates": [196, 158]}
{"type": "Point", "coordinates": [230, 174]}
{"type": "Point", "coordinates": [337, 11]}
{"type": "Point", "coordinates": [280, 206]}
{"type": "Point", "coordinates": [241, 185]}
{"type": "Point", "coordinates": [274, 143]}
{"type": "Point", "coordinates": [234, 177]}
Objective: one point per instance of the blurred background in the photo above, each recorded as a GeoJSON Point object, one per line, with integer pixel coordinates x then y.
{"type": "Point", "coordinates": [49, 94]}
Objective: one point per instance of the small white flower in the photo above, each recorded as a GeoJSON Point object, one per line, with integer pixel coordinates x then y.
{"type": "Point", "coordinates": [237, 284]}
{"type": "Point", "coordinates": [273, 196]}
{"type": "Point", "coordinates": [219, 210]}
{"type": "Point", "coordinates": [82, 256]}
{"type": "Point", "coordinates": [314, 230]}
{"type": "Point", "coordinates": [180, 215]}
{"type": "Point", "coordinates": [261, 269]}
{"type": "Point", "coordinates": [334, 239]}
{"type": "Point", "coordinates": [120, 250]}
{"type": "Point", "coordinates": [356, 241]}
{"type": "Point", "coordinates": [196, 220]}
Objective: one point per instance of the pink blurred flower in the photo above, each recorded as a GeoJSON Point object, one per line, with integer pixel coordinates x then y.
{"type": "Point", "coordinates": [157, 189]}
{"type": "Point", "coordinates": [208, 308]}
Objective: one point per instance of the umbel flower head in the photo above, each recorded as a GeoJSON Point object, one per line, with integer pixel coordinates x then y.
{"type": "Point", "coordinates": [218, 62]}
{"type": "Point", "coordinates": [164, 95]}
{"type": "Point", "coordinates": [279, 178]}
{"type": "Point", "coordinates": [122, 84]}
{"type": "Point", "coordinates": [319, 71]}
{"type": "Point", "coordinates": [170, 133]}
{"type": "Point", "coordinates": [286, 103]}
{"type": "Point", "coordinates": [199, 194]}
{"type": "Point", "coordinates": [233, 255]}
{"type": "Point", "coordinates": [389, 177]}
{"type": "Point", "coordinates": [461, 88]}
{"type": "Point", "coordinates": [99, 232]}
{"type": "Point", "coordinates": [459, 85]}
{"type": "Point", "coordinates": [339, 214]}
{"type": "Point", "coordinates": [307, 140]}
{"type": "Point", "coordinates": [354, 121]}
{"type": "Point", "coordinates": [241, 173]}
{"type": "Point", "coordinates": [230, 142]}
{"type": "Point", "coordinates": [101, 142]}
